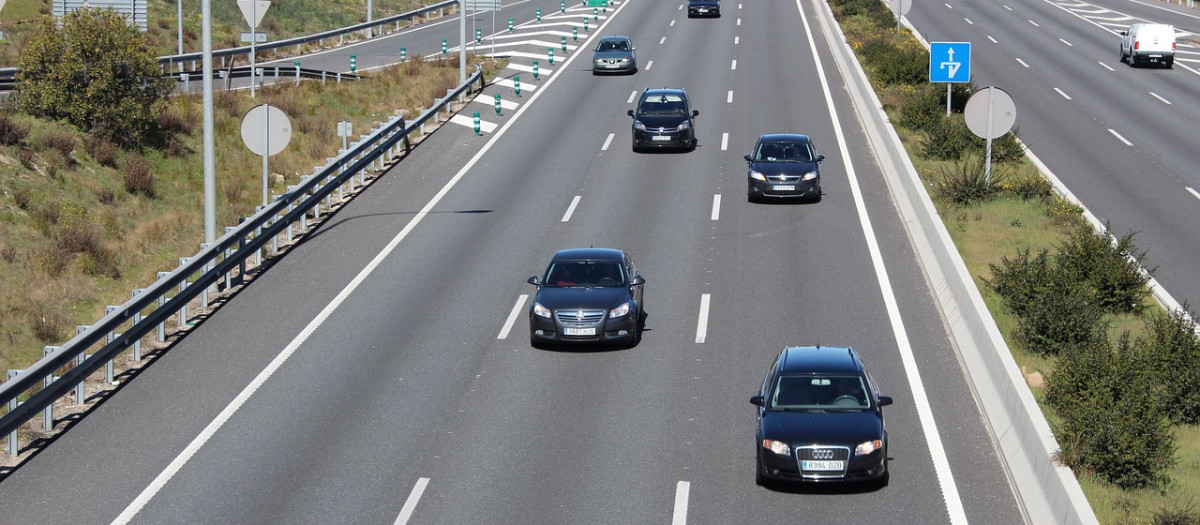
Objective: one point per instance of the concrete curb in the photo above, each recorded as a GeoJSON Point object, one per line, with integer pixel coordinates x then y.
{"type": "Point", "coordinates": [1049, 492]}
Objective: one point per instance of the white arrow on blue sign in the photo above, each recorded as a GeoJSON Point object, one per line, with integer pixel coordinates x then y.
{"type": "Point", "coordinates": [949, 61]}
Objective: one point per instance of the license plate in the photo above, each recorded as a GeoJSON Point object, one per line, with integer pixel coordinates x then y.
{"type": "Point", "coordinates": [702, 10]}
{"type": "Point", "coordinates": [660, 137]}
{"type": "Point", "coordinates": [783, 187]}
{"type": "Point", "coordinates": [612, 66]}
{"type": "Point", "coordinates": [579, 331]}
{"type": "Point", "coordinates": [823, 465]}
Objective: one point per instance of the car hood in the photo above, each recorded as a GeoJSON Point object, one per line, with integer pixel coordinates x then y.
{"type": "Point", "coordinates": [783, 168]}
{"type": "Point", "coordinates": [611, 55]}
{"type": "Point", "coordinates": [662, 121]}
{"type": "Point", "coordinates": [848, 428]}
{"type": "Point", "coordinates": [556, 298]}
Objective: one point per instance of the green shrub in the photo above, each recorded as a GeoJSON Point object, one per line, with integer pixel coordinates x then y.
{"type": "Point", "coordinates": [97, 72]}
{"type": "Point", "coordinates": [1005, 148]}
{"type": "Point", "coordinates": [1175, 349]}
{"type": "Point", "coordinates": [903, 66]}
{"type": "Point", "coordinates": [1021, 280]}
{"type": "Point", "coordinates": [1029, 187]}
{"type": "Point", "coordinates": [1064, 315]}
{"type": "Point", "coordinates": [138, 178]}
{"type": "Point", "coordinates": [1114, 271]}
{"type": "Point", "coordinates": [58, 140]}
{"type": "Point", "coordinates": [1177, 514]}
{"type": "Point", "coordinates": [1112, 420]}
{"type": "Point", "coordinates": [102, 150]}
{"type": "Point", "coordinates": [968, 182]}
{"type": "Point", "coordinates": [11, 131]}
{"type": "Point", "coordinates": [926, 108]}
{"type": "Point", "coordinates": [946, 139]}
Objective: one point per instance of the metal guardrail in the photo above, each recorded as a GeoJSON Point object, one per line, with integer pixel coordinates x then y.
{"type": "Point", "coordinates": [65, 368]}
{"type": "Point", "coordinates": [170, 62]}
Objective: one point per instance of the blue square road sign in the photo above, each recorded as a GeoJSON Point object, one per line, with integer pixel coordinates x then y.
{"type": "Point", "coordinates": [949, 61]}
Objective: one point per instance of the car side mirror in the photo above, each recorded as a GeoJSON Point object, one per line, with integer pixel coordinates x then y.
{"type": "Point", "coordinates": [747, 157]}
{"type": "Point", "coordinates": [756, 400]}
{"type": "Point", "coordinates": [885, 400]}
{"type": "Point", "coordinates": [820, 158]}
{"type": "Point", "coordinates": [533, 279]}
{"type": "Point", "coordinates": [1123, 33]}
{"type": "Point", "coordinates": [637, 280]}
{"type": "Point", "coordinates": [695, 113]}
{"type": "Point", "coordinates": [630, 112]}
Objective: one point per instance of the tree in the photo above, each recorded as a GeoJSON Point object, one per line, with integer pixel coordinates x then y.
{"type": "Point", "coordinates": [96, 72]}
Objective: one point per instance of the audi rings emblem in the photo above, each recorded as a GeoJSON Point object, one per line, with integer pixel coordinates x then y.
{"type": "Point", "coordinates": [822, 453]}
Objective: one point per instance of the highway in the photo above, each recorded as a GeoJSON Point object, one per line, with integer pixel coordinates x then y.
{"type": "Point", "coordinates": [1118, 137]}
{"type": "Point", "coordinates": [378, 374]}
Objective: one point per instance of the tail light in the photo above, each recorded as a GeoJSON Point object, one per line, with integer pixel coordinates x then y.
{"type": "Point", "coordinates": [1137, 45]}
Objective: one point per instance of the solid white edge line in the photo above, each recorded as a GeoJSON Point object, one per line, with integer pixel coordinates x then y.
{"type": "Point", "coordinates": [607, 142]}
{"type": "Point", "coordinates": [410, 504]}
{"type": "Point", "coordinates": [724, 141]}
{"type": "Point", "coordinates": [1119, 137]}
{"type": "Point", "coordinates": [512, 316]}
{"type": "Point", "coordinates": [188, 452]}
{"type": "Point", "coordinates": [679, 517]}
{"type": "Point", "coordinates": [937, 451]}
{"type": "Point", "coordinates": [571, 208]}
{"type": "Point", "coordinates": [716, 207]}
{"type": "Point", "coordinates": [702, 319]}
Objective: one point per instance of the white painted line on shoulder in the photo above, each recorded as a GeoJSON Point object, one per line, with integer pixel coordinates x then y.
{"type": "Point", "coordinates": [1035, 24]}
{"type": "Point", "coordinates": [1119, 137]}
{"type": "Point", "coordinates": [1155, 95]}
{"type": "Point", "coordinates": [631, 97]}
{"type": "Point", "coordinates": [410, 504]}
{"type": "Point", "coordinates": [992, 39]}
{"type": "Point", "coordinates": [607, 141]}
{"type": "Point", "coordinates": [702, 319]}
{"type": "Point", "coordinates": [1193, 192]}
{"type": "Point", "coordinates": [733, 66]}
{"type": "Point", "coordinates": [729, 97]}
{"type": "Point", "coordinates": [1067, 43]}
{"type": "Point", "coordinates": [1106, 66]}
{"type": "Point", "coordinates": [724, 141]}
{"type": "Point", "coordinates": [463, 120]}
{"type": "Point", "coordinates": [1022, 62]}
{"type": "Point", "coordinates": [571, 209]}
{"type": "Point", "coordinates": [969, 22]}
{"type": "Point", "coordinates": [512, 317]}
{"type": "Point", "coordinates": [716, 209]}
{"type": "Point", "coordinates": [1064, 95]}
{"type": "Point", "coordinates": [679, 517]}
{"type": "Point", "coordinates": [489, 101]}
{"type": "Point", "coordinates": [933, 440]}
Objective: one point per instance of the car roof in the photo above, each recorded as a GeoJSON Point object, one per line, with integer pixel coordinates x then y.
{"type": "Point", "coordinates": [820, 360]}
{"type": "Point", "coordinates": [783, 137]}
{"type": "Point", "coordinates": [611, 38]}
{"type": "Point", "coordinates": [664, 91]}
{"type": "Point", "coordinates": [585, 254]}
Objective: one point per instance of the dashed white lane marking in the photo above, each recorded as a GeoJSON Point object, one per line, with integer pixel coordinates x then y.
{"type": "Point", "coordinates": [1008, 8]}
{"type": "Point", "coordinates": [1155, 95]}
{"type": "Point", "coordinates": [733, 66]}
{"type": "Point", "coordinates": [649, 65]}
{"type": "Point", "coordinates": [724, 141]}
{"type": "Point", "coordinates": [631, 97]}
{"type": "Point", "coordinates": [679, 517]}
{"type": "Point", "coordinates": [969, 22]}
{"type": "Point", "coordinates": [410, 504]}
{"type": "Point", "coordinates": [571, 208]}
{"type": "Point", "coordinates": [1064, 95]}
{"type": "Point", "coordinates": [1022, 62]}
{"type": "Point", "coordinates": [662, 40]}
{"type": "Point", "coordinates": [1067, 43]}
{"type": "Point", "coordinates": [702, 319]}
{"type": "Point", "coordinates": [739, 22]}
{"type": "Point", "coordinates": [737, 40]}
{"type": "Point", "coordinates": [992, 39]}
{"type": "Point", "coordinates": [463, 120]}
{"type": "Point", "coordinates": [1193, 192]}
{"type": "Point", "coordinates": [607, 142]}
{"type": "Point", "coordinates": [729, 97]}
{"type": "Point", "coordinates": [716, 208]}
{"type": "Point", "coordinates": [1106, 66]}
{"type": "Point", "coordinates": [1035, 24]}
{"type": "Point", "coordinates": [512, 317]}
{"type": "Point", "coordinates": [948, 6]}
{"type": "Point", "coordinates": [1119, 137]}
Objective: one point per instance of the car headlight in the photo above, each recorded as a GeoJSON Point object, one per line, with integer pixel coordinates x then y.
{"type": "Point", "coordinates": [758, 176]}
{"type": "Point", "coordinates": [685, 125]}
{"type": "Point", "coordinates": [619, 311]}
{"type": "Point", "coordinates": [624, 61]}
{"type": "Point", "coordinates": [637, 124]}
{"type": "Point", "coordinates": [541, 311]}
{"type": "Point", "coordinates": [868, 447]}
{"type": "Point", "coordinates": [810, 175]}
{"type": "Point", "coordinates": [777, 447]}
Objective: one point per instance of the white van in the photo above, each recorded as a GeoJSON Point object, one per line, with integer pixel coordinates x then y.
{"type": "Point", "coordinates": [1148, 43]}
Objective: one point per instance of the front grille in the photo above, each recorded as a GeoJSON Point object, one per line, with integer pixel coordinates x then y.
{"type": "Point", "coordinates": [822, 453]}
{"type": "Point", "coordinates": [783, 178]}
{"type": "Point", "coordinates": [579, 316]}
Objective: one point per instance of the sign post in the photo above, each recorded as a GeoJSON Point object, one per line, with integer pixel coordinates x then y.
{"type": "Point", "coordinates": [949, 62]}
{"type": "Point", "coordinates": [266, 130]}
{"type": "Point", "coordinates": [253, 11]}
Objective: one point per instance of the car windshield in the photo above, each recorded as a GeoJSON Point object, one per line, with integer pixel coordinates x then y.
{"type": "Point", "coordinates": [663, 105]}
{"type": "Point", "coordinates": [585, 274]}
{"type": "Point", "coordinates": [819, 392]}
{"type": "Point", "coordinates": [783, 152]}
{"type": "Point", "coordinates": [613, 45]}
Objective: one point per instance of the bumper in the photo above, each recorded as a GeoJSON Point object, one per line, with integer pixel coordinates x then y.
{"type": "Point", "coordinates": [810, 189]}
{"type": "Point", "coordinates": [617, 330]}
{"type": "Point", "coordinates": [669, 140]}
{"type": "Point", "coordinates": [772, 466]}
{"type": "Point", "coordinates": [628, 67]}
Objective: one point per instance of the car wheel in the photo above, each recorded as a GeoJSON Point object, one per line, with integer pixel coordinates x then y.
{"type": "Point", "coordinates": [817, 196]}
{"type": "Point", "coordinates": [1132, 60]}
{"type": "Point", "coordinates": [1122, 59]}
{"type": "Point", "coordinates": [883, 481]}
{"type": "Point", "coordinates": [1170, 63]}
{"type": "Point", "coordinates": [759, 479]}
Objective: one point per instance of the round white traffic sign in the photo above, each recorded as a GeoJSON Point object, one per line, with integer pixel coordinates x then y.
{"type": "Point", "coordinates": [266, 128]}
{"type": "Point", "coordinates": [1003, 112]}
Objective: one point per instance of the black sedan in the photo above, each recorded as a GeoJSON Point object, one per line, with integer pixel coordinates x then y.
{"type": "Point", "coordinates": [820, 419]}
{"type": "Point", "coordinates": [664, 119]}
{"type": "Point", "coordinates": [783, 166]}
{"type": "Point", "coordinates": [587, 295]}
{"type": "Point", "coordinates": [704, 8]}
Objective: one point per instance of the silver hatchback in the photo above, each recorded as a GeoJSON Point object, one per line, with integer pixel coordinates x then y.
{"type": "Point", "coordinates": [614, 54]}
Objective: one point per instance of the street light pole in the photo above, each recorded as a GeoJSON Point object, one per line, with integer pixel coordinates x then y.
{"type": "Point", "coordinates": [210, 160]}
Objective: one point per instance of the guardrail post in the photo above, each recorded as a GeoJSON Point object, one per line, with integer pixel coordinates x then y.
{"type": "Point", "coordinates": [80, 391]}
{"type": "Point", "coordinates": [183, 286]}
{"type": "Point", "coordinates": [275, 238]}
{"type": "Point", "coordinates": [108, 339]}
{"type": "Point", "coordinates": [162, 301]}
{"type": "Point", "coordinates": [204, 292]}
{"type": "Point", "coordinates": [48, 413]}
{"type": "Point", "coordinates": [137, 318]}
{"type": "Point", "coordinates": [339, 76]}
{"type": "Point", "coordinates": [229, 251]}
{"type": "Point", "coordinates": [12, 405]}
{"type": "Point", "coordinates": [186, 82]}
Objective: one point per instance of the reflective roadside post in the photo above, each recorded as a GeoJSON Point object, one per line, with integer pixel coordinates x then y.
{"type": "Point", "coordinates": [574, 34]}
{"type": "Point", "coordinates": [353, 63]}
{"type": "Point", "coordinates": [403, 55]}
{"type": "Point", "coordinates": [510, 24]}
{"type": "Point", "coordinates": [497, 104]}
{"type": "Point", "coordinates": [443, 46]}
{"type": "Point", "coordinates": [585, 25]}
{"type": "Point", "coordinates": [517, 84]}
{"type": "Point", "coordinates": [564, 44]}
{"type": "Point", "coordinates": [550, 53]}
{"type": "Point", "coordinates": [595, 14]}
{"type": "Point", "coordinates": [539, 15]}
{"type": "Point", "coordinates": [476, 123]}
{"type": "Point", "coordinates": [478, 35]}
{"type": "Point", "coordinates": [561, 5]}
{"type": "Point", "coordinates": [535, 69]}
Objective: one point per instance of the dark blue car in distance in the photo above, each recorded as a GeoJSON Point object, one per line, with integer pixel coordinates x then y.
{"type": "Point", "coordinates": [820, 419]}
{"type": "Point", "coordinates": [664, 118]}
{"type": "Point", "coordinates": [704, 8]}
{"type": "Point", "coordinates": [587, 295]}
{"type": "Point", "coordinates": [783, 165]}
